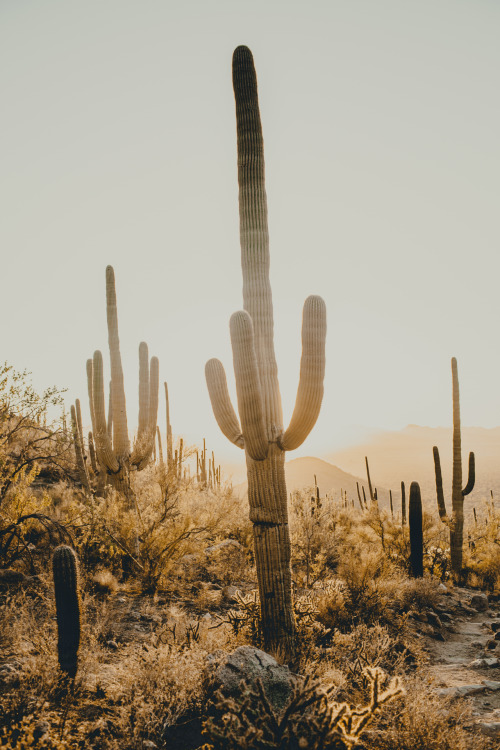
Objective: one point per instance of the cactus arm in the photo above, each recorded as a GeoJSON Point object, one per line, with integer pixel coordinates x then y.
{"type": "Point", "coordinates": [79, 420]}
{"type": "Point", "coordinates": [121, 442]}
{"type": "Point", "coordinates": [416, 533]}
{"type": "Point", "coordinates": [90, 390]}
{"type": "Point", "coordinates": [439, 485]}
{"type": "Point", "coordinates": [93, 458]}
{"type": "Point", "coordinates": [104, 449]}
{"type": "Point", "coordinates": [312, 373]}
{"type": "Point", "coordinates": [160, 449]}
{"type": "Point", "coordinates": [79, 454]}
{"type": "Point", "coordinates": [221, 402]}
{"type": "Point", "coordinates": [145, 442]}
{"type": "Point", "coordinates": [248, 390]}
{"type": "Point", "coordinates": [254, 234]}
{"type": "Point", "coordinates": [372, 495]}
{"type": "Point", "coordinates": [65, 573]}
{"type": "Point", "coordinates": [143, 390]}
{"type": "Point", "coordinates": [472, 475]}
{"type": "Point", "coordinates": [169, 430]}
{"type": "Point", "coordinates": [109, 427]}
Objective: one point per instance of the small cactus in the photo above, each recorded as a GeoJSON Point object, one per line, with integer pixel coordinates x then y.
{"type": "Point", "coordinates": [65, 572]}
{"type": "Point", "coordinates": [416, 534]}
{"type": "Point", "coordinates": [403, 504]}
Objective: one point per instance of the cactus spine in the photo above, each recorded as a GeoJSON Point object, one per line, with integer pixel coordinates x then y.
{"type": "Point", "coordinates": [111, 438]}
{"type": "Point", "coordinates": [65, 572]}
{"type": "Point", "coordinates": [259, 402]}
{"type": "Point", "coordinates": [416, 533]}
{"type": "Point", "coordinates": [456, 523]}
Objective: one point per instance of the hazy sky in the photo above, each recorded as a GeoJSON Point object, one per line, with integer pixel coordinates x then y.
{"type": "Point", "coordinates": [381, 128]}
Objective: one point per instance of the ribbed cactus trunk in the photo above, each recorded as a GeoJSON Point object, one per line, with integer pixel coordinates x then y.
{"type": "Point", "coordinates": [259, 401]}
{"type": "Point", "coordinates": [457, 496]}
{"type": "Point", "coordinates": [416, 531]}
{"type": "Point", "coordinates": [456, 522]}
{"type": "Point", "coordinates": [65, 572]}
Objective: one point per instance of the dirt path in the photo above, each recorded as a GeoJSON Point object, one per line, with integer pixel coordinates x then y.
{"type": "Point", "coordinates": [465, 657]}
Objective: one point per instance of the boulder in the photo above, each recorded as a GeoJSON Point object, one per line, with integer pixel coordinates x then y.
{"type": "Point", "coordinates": [479, 602]}
{"type": "Point", "coordinates": [249, 664]}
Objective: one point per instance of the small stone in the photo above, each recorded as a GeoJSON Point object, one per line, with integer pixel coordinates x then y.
{"type": "Point", "coordinates": [495, 626]}
{"type": "Point", "coordinates": [112, 645]}
{"type": "Point", "coordinates": [497, 635]}
{"type": "Point", "coordinates": [443, 589]}
{"type": "Point", "coordinates": [479, 602]}
{"type": "Point", "coordinates": [434, 620]}
{"type": "Point", "coordinates": [491, 645]}
{"type": "Point", "coordinates": [149, 745]}
{"type": "Point", "coordinates": [40, 729]}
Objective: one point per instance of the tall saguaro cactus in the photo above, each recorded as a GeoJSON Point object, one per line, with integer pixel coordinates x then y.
{"type": "Point", "coordinates": [456, 523]}
{"type": "Point", "coordinates": [261, 433]}
{"type": "Point", "coordinates": [113, 445]}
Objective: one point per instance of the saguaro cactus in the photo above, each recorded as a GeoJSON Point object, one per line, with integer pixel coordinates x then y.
{"type": "Point", "coordinates": [65, 572]}
{"type": "Point", "coordinates": [403, 504]}
{"type": "Point", "coordinates": [259, 402]}
{"type": "Point", "coordinates": [456, 523]}
{"type": "Point", "coordinates": [113, 445]}
{"type": "Point", "coordinates": [416, 533]}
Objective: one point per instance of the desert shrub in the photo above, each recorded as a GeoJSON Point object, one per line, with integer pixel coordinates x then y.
{"type": "Point", "coordinates": [312, 522]}
{"type": "Point", "coordinates": [421, 720]}
{"type": "Point", "coordinates": [309, 720]}
{"type": "Point", "coordinates": [482, 553]}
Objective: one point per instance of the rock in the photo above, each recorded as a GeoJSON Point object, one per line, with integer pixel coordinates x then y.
{"type": "Point", "coordinates": [497, 635]}
{"type": "Point", "coordinates": [228, 593]}
{"type": "Point", "coordinates": [443, 589]}
{"type": "Point", "coordinates": [461, 690]}
{"type": "Point", "coordinates": [40, 729]}
{"type": "Point", "coordinates": [112, 645]}
{"type": "Point", "coordinates": [9, 676]}
{"type": "Point", "coordinates": [490, 729]}
{"type": "Point", "coordinates": [479, 602]}
{"type": "Point", "coordinates": [477, 644]}
{"type": "Point", "coordinates": [437, 635]}
{"type": "Point", "coordinates": [149, 745]}
{"type": "Point", "coordinates": [185, 735]}
{"type": "Point", "coordinates": [434, 620]}
{"type": "Point", "coordinates": [492, 684]}
{"type": "Point", "coordinates": [249, 663]}
{"type": "Point", "coordinates": [226, 544]}
{"type": "Point", "coordinates": [491, 645]}
{"type": "Point", "coordinates": [484, 663]}
{"type": "Point", "coordinates": [446, 617]}
{"type": "Point", "coordinates": [9, 577]}
{"type": "Point", "coordinates": [495, 626]}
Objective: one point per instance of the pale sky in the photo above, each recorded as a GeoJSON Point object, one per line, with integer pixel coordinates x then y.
{"type": "Point", "coordinates": [381, 129]}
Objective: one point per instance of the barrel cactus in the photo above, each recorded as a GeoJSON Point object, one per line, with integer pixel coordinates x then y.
{"type": "Point", "coordinates": [456, 522]}
{"type": "Point", "coordinates": [65, 572]}
{"type": "Point", "coordinates": [261, 433]}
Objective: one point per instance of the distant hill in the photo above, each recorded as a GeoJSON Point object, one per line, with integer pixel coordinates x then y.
{"type": "Point", "coordinates": [300, 474]}
{"type": "Point", "coordinates": [407, 455]}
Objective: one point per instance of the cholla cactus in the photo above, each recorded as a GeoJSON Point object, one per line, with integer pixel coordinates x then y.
{"type": "Point", "coordinates": [261, 433]}
{"type": "Point", "coordinates": [456, 523]}
{"type": "Point", "coordinates": [65, 572]}
{"type": "Point", "coordinates": [113, 446]}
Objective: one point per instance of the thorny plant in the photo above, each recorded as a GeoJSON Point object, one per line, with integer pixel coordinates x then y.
{"type": "Point", "coordinates": [310, 720]}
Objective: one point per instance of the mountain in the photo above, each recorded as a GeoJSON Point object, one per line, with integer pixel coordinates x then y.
{"type": "Point", "coordinates": [300, 473]}
{"type": "Point", "coordinates": [407, 455]}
